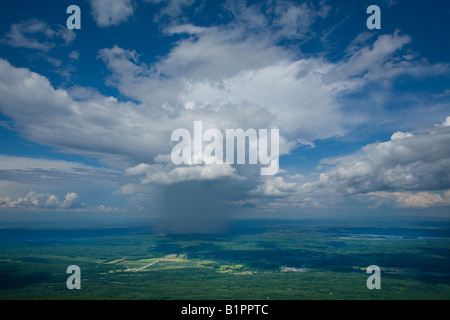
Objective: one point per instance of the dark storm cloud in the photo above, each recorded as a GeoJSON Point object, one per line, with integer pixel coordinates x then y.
{"type": "Point", "coordinates": [195, 207]}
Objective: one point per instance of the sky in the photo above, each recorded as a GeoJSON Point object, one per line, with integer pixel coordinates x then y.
{"type": "Point", "coordinates": [86, 115]}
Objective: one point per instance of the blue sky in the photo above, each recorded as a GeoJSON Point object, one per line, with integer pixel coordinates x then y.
{"type": "Point", "coordinates": [86, 115]}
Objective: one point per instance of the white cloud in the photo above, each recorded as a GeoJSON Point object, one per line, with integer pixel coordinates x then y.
{"type": "Point", "coordinates": [228, 78]}
{"type": "Point", "coordinates": [108, 209]}
{"type": "Point", "coordinates": [35, 200]}
{"type": "Point", "coordinates": [70, 201]}
{"type": "Point", "coordinates": [74, 55]}
{"type": "Point", "coordinates": [52, 201]}
{"type": "Point", "coordinates": [51, 116]}
{"type": "Point", "coordinates": [231, 75]}
{"type": "Point", "coordinates": [185, 28]}
{"type": "Point", "coordinates": [169, 174]}
{"type": "Point", "coordinates": [47, 201]}
{"type": "Point", "coordinates": [401, 135]}
{"type": "Point", "coordinates": [294, 20]}
{"type": "Point", "coordinates": [30, 164]}
{"type": "Point", "coordinates": [4, 201]}
{"type": "Point", "coordinates": [54, 61]}
{"type": "Point", "coordinates": [220, 52]}
{"type": "Point", "coordinates": [210, 78]}
{"type": "Point", "coordinates": [419, 161]}
{"type": "Point", "coordinates": [446, 122]}
{"type": "Point", "coordinates": [275, 186]}
{"type": "Point", "coordinates": [277, 19]}
{"type": "Point", "coordinates": [383, 60]}
{"type": "Point", "coordinates": [233, 91]}
{"type": "Point", "coordinates": [111, 12]}
{"type": "Point", "coordinates": [18, 175]}
{"type": "Point", "coordinates": [411, 200]}
{"type": "Point", "coordinates": [36, 34]}
{"type": "Point", "coordinates": [171, 8]}
{"type": "Point", "coordinates": [221, 69]}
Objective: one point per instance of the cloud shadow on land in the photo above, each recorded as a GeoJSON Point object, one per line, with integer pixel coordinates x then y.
{"type": "Point", "coordinates": [195, 207]}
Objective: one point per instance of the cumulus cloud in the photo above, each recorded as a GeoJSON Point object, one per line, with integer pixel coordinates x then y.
{"type": "Point", "coordinates": [283, 19]}
{"type": "Point", "coordinates": [230, 75]}
{"type": "Point", "coordinates": [294, 20]}
{"type": "Point", "coordinates": [185, 28]}
{"type": "Point", "coordinates": [411, 200]}
{"type": "Point", "coordinates": [36, 34]}
{"type": "Point", "coordinates": [111, 12]}
{"type": "Point", "coordinates": [446, 123]}
{"type": "Point", "coordinates": [224, 89]}
{"type": "Point", "coordinates": [18, 175]}
{"type": "Point", "coordinates": [75, 55]}
{"type": "Point", "coordinates": [70, 201]}
{"type": "Point", "coordinates": [275, 187]}
{"type": "Point", "coordinates": [414, 162]}
{"type": "Point", "coordinates": [4, 201]}
{"type": "Point", "coordinates": [35, 200]}
{"type": "Point", "coordinates": [169, 174]}
{"type": "Point", "coordinates": [104, 208]}
{"type": "Point", "coordinates": [373, 61]}
{"type": "Point", "coordinates": [221, 71]}
{"type": "Point", "coordinates": [220, 76]}
{"type": "Point", "coordinates": [53, 117]}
